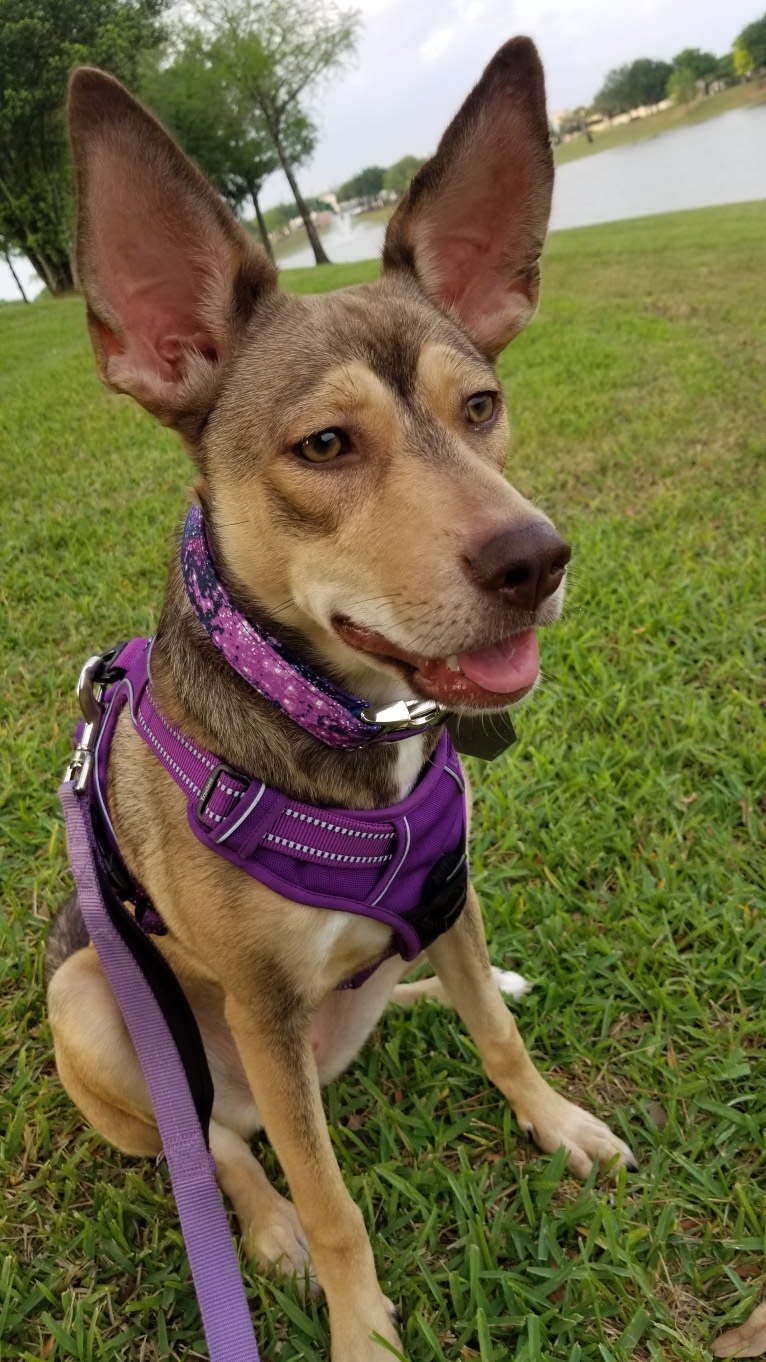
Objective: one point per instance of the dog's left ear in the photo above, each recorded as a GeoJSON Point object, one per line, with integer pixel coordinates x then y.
{"type": "Point", "coordinates": [472, 224]}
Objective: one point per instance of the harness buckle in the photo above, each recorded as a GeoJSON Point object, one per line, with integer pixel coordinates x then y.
{"type": "Point", "coordinates": [414, 714]}
{"type": "Point", "coordinates": [92, 685]}
{"type": "Point", "coordinates": [209, 788]}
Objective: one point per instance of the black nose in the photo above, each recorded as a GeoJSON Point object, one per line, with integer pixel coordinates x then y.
{"type": "Point", "coordinates": [524, 564]}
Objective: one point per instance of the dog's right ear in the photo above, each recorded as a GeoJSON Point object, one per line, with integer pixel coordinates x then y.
{"type": "Point", "coordinates": [169, 276]}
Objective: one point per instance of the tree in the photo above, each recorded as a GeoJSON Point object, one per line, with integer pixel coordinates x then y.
{"type": "Point", "coordinates": [744, 61]}
{"type": "Point", "coordinates": [230, 143]}
{"type": "Point", "coordinates": [628, 87]}
{"type": "Point", "coordinates": [752, 42]}
{"type": "Point", "coordinates": [724, 69]}
{"type": "Point", "coordinates": [682, 86]}
{"type": "Point", "coordinates": [689, 68]}
{"type": "Point", "coordinates": [40, 44]}
{"type": "Point", "coordinates": [701, 64]}
{"type": "Point", "coordinates": [366, 185]}
{"type": "Point", "coordinates": [5, 252]}
{"type": "Point", "coordinates": [397, 178]}
{"type": "Point", "coordinates": [277, 51]}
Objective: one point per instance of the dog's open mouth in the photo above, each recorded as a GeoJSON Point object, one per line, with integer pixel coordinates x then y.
{"type": "Point", "coordinates": [487, 678]}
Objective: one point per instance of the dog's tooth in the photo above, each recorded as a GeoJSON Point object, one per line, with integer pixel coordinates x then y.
{"type": "Point", "coordinates": [452, 663]}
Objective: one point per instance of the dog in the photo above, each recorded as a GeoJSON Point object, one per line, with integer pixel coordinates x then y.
{"type": "Point", "coordinates": [349, 452]}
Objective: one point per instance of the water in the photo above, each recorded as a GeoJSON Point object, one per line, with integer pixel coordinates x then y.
{"type": "Point", "coordinates": [346, 239]}
{"type": "Point", "coordinates": [720, 161]}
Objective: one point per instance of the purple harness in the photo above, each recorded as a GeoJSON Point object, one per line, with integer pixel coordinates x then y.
{"type": "Point", "coordinates": [404, 866]}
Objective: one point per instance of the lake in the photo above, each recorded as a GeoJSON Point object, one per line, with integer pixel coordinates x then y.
{"type": "Point", "coordinates": [720, 161]}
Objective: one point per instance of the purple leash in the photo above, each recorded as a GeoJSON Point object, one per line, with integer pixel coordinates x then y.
{"type": "Point", "coordinates": [215, 1271]}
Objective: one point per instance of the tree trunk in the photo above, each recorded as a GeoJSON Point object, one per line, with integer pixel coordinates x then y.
{"type": "Point", "coordinates": [16, 280]}
{"type": "Point", "coordinates": [55, 271]}
{"type": "Point", "coordinates": [262, 228]}
{"type": "Point", "coordinates": [59, 275]}
{"type": "Point", "coordinates": [320, 254]}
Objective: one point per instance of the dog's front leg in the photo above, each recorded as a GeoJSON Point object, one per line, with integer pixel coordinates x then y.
{"type": "Point", "coordinates": [275, 1049]}
{"type": "Point", "coordinates": [461, 961]}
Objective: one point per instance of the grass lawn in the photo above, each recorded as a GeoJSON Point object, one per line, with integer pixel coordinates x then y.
{"type": "Point", "coordinates": [680, 116]}
{"type": "Point", "coordinates": [616, 850]}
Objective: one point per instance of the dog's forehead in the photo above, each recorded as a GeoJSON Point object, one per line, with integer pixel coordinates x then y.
{"type": "Point", "coordinates": [384, 325]}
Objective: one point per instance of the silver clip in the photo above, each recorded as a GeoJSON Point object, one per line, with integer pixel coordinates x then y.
{"type": "Point", "coordinates": [403, 714]}
{"type": "Point", "coordinates": [90, 693]}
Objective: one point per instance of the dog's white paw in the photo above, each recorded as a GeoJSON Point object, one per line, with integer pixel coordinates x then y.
{"type": "Point", "coordinates": [553, 1121]}
{"type": "Point", "coordinates": [511, 984]}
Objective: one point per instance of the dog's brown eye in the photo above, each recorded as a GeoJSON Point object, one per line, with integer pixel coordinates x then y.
{"type": "Point", "coordinates": [480, 408]}
{"type": "Point", "coordinates": [323, 446]}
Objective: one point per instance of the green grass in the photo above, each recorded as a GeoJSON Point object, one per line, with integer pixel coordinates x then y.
{"type": "Point", "coordinates": [616, 850]}
{"type": "Point", "coordinates": [668, 120]}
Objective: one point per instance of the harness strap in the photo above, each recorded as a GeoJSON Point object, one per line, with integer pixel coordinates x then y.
{"type": "Point", "coordinates": [139, 977]}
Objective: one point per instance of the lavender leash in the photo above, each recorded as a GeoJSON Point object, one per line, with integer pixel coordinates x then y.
{"type": "Point", "coordinates": [215, 1271]}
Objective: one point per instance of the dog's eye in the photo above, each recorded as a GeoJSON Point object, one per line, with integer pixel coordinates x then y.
{"type": "Point", "coordinates": [480, 408]}
{"type": "Point", "coordinates": [323, 446]}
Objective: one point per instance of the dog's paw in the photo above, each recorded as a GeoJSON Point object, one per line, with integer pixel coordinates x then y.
{"type": "Point", "coordinates": [376, 1341]}
{"type": "Point", "coordinates": [552, 1122]}
{"type": "Point", "coordinates": [277, 1242]}
{"type": "Point", "coordinates": [511, 984]}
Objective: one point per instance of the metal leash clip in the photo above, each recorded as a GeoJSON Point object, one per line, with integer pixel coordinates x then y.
{"type": "Point", "coordinates": [91, 688]}
{"type": "Point", "coordinates": [406, 714]}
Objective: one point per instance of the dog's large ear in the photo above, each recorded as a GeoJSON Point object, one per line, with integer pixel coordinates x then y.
{"type": "Point", "coordinates": [473, 221]}
{"type": "Point", "coordinates": [169, 276]}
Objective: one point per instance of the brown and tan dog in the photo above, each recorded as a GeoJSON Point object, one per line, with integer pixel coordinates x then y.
{"type": "Point", "coordinates": [350, 452]}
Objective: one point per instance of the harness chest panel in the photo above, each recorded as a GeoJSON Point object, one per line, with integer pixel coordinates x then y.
{"type": "Point", "coordinates": [404, 866]}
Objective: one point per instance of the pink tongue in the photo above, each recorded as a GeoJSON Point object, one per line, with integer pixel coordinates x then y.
{"type": "Point", "coordinates": [505, 667]}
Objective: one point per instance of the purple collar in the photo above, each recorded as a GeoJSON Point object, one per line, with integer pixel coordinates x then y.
{"type": "Point", "coordinates": [311, 700]}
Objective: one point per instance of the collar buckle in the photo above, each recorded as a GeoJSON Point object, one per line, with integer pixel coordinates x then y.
{"type": "Point", "coordinates": [405, 714]}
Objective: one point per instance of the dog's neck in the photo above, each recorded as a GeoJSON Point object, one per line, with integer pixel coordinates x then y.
{"type": "Point", "coordinates": [197, 689]}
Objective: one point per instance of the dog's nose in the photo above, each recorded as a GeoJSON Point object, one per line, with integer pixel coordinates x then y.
{"type": "Point", "coordinates": [524, 564]}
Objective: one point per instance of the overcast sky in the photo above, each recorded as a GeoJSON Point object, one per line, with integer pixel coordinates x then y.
{"type": "Point", "coordinates": [417, 59]}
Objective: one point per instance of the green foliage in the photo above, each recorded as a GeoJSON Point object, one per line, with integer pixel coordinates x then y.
{"type": "Point", "coordinates": [618, 850]}
{"type": "Point", "coordinates": [744, 61]}
{"type": "Point", "coordinates": [689, 67]}
{"type": "Point", "coordinates": [724, 68]}
{"type": "Point", "coordinates": [279, 216]}
{"type": "Point", "coordinates": [40, 45]}
{"type": "Point", "coordinates": [702, 65]}
{"type": "Point", "coordinates": [682, 85]}
{"type": "Point", "coordinates": [629, 87]}
{"type": "Point", "coordinates": [228, 138]}
{"type": "Point", "coordinates": [274, 53]}
{"type": "Point", "coordinates": [398, 176]}
{"type": "Point", "coordinates": [752, 41]}
{"type": "Point", "coordinates": [366, 185]}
